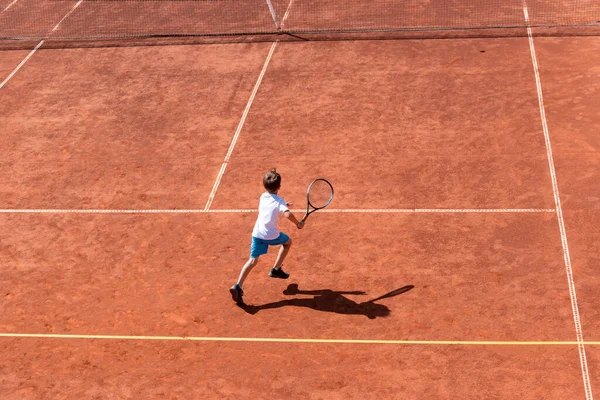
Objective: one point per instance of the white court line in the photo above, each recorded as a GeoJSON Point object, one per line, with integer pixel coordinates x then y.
{"type": "Point", "coordinates": [273, 14]}
{"type": "Point", "coordinates": [67, 14]}
{"type": "Point", "coordinates": [5, 81]}
{"type": "Point", "coordinates": [295, 340]}
{"type": "Point", "coordinates": [287, 13]}
{"type": "Point", "coordinates": [247, 109]}
{"type": "Point", "coordinates": [250, 210]}
{"type": "Point", "coordinates": [9, 6]}
{"type": "Point", "coordinates": [561, 223]}
{"type": "Point", "coordinates": [239, 128]}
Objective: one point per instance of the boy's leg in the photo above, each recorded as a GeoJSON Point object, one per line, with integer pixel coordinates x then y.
{"type": "Point", "coordinates": [236, 290]}
{"type": "Point", "coordinates": [251, 263]}
{"type": "Point", "coordinates": [283, 251]}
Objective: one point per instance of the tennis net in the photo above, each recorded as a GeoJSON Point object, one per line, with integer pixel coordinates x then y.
{"type": "Point", "coordinates": [65, 19]}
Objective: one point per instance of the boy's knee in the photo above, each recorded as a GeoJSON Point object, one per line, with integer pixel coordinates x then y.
{"type": "Point", "coordinates": [288, 243]}
{"type": "Point", "coordinates": [253, 261]}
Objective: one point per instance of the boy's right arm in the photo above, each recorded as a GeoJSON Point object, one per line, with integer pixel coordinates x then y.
{"type": "Point", "coordinates": [289, 215]}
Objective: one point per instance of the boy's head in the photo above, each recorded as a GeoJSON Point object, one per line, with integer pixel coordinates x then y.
{"type": "Point", "coordinates": [272, 181]}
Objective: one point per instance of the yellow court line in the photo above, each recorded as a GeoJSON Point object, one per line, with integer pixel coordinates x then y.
{"type": "Point", "coordinates": [300, 340]}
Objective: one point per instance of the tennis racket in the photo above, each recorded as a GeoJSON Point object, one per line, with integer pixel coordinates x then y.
{"type": "Point", "coordinates": [318, 196]}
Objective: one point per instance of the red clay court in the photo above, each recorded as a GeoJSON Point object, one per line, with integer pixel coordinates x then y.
{"type": "Point", "coordinates": [462, 142]}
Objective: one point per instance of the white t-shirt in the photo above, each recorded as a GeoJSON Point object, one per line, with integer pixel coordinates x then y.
{"type": "Point", "coordinates": [268, 216]}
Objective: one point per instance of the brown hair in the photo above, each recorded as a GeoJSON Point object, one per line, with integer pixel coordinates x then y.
{"type": "Point", "coordinates": [272, 180]}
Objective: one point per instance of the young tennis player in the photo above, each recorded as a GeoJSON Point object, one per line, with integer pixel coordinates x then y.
{"type": "Point", "coordinates": [266, 233]}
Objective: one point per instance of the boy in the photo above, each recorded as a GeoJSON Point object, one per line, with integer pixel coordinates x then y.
{"type": "Point", "coordinates": [266, 233]}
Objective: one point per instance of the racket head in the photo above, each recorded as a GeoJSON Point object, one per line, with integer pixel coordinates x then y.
{"type": "Point", "coordinates": [319, 194]}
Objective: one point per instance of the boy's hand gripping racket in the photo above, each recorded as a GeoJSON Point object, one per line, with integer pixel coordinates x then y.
{"type": "Point", "coordinates": [318, 196]}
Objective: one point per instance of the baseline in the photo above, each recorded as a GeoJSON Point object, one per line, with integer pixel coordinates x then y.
{"type": "Point", "coordinates": [300, 340]}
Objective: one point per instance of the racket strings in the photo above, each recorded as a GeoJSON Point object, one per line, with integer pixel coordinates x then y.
{"type": "Point", "coordinates": [320, 194]}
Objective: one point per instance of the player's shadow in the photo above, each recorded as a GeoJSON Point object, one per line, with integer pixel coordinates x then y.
{"type": "Point", "coordinates": [330, 301]}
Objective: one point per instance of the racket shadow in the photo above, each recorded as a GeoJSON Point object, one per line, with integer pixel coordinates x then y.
{"type": "Point", "coordinates": [327, 300]}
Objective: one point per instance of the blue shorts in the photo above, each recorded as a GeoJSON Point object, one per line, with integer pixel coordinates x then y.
{"type": "Point", "coordinates": [261, 246]}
